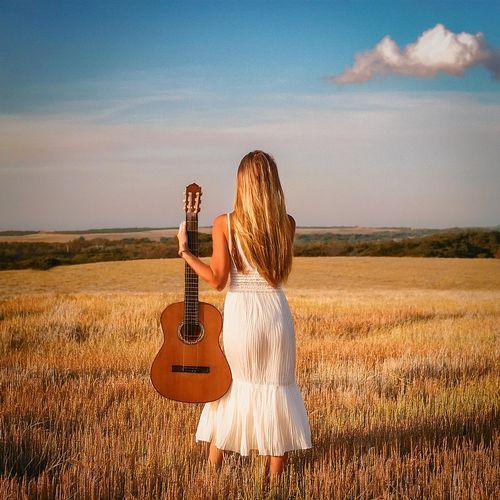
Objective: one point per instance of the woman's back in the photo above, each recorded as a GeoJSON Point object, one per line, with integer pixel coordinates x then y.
{"type": "Point", "coordinates": [252, 280]}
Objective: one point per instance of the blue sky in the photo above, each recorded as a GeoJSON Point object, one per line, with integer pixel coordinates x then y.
{"type": "Point", "coordinates": [108, 110]}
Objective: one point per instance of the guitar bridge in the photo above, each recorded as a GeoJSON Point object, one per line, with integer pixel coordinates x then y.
{"type": "Point", "coordinates": [190, 368]}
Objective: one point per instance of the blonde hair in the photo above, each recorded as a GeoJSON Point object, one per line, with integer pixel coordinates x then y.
{"type": "Point", "coordinates": [260, 220]}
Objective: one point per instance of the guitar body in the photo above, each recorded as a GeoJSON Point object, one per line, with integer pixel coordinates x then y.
{"type": "Point", "coordinates": [191, 366]}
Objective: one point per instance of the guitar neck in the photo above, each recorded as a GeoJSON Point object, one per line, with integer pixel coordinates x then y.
{"type": "Point", "coordinates": [190, 277]}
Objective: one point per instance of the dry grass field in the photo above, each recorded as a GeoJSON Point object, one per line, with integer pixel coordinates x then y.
{"type": "Point", "coordinates": [156, 234]}
{"type": "Point", "coordinates": [397, 360]}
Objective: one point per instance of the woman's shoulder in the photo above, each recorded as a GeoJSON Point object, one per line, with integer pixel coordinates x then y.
{"type": "Point", "coordinates": [220, 223]}
{"type": "Point", "coordinates": [220, 218]}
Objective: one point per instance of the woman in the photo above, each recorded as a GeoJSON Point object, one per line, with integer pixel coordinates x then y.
{"type": "Point", "coordinates": [263, 408]}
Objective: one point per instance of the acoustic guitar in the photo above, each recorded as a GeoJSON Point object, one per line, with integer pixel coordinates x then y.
{"type": "Point", "coordinates": [191, 366]}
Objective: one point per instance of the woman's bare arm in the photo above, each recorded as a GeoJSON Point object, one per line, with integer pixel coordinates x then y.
{"type": "Point", "coordinates": [216, 273]}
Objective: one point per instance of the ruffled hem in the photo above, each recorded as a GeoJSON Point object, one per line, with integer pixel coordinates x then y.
{"type": "Point", "coordinates": [271, 419]}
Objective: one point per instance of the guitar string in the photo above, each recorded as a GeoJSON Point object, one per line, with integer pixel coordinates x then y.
{"type": "Point", "coordinates": [191, 312]}
{"type": "Point", "coordinates": [196, 280]}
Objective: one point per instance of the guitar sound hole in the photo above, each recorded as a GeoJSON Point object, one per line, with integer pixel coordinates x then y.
{"type": "Point", "coordinates": [190, 332]}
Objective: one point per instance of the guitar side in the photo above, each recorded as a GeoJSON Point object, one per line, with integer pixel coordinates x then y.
{"type": "Point", "coordinates": [191, 372]}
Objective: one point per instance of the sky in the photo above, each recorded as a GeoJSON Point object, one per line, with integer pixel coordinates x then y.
{"type": "Point", "coordinates": [377, 113]}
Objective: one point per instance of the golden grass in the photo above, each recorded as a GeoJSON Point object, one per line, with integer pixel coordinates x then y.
{"type": "Point", "coordinates": [397, 360]}
{"type": "Point", "coordinates": [375, 275]}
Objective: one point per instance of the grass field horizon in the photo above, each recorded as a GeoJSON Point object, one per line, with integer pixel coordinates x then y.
{"type": "Point", "coordinates": [155, 234]}
{"type": "Point", "coordinates": [397, 360]}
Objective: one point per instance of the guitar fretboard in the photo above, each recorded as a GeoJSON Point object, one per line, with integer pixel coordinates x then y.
{"type": "Point", "coordinates": [190, 277]}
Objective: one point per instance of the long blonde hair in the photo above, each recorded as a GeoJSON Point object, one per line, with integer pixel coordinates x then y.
{"type": "Point", "coordinates": [260, 220]}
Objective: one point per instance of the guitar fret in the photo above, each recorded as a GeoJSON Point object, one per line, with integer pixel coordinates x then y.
{"type": "Point", "coordinates": [191, 279]}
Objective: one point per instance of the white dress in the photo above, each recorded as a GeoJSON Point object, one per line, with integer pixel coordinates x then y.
{"type": "Point", "coordinates": [263, 408]}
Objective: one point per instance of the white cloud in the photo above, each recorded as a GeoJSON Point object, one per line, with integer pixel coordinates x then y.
{"type": "Point", "coordinates": [437, 49]}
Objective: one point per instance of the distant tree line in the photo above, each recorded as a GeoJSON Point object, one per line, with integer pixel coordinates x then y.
{"type": "Point", "coordinates": [456, 243]}
{"type": "Point", "coordinates": [463, 244]}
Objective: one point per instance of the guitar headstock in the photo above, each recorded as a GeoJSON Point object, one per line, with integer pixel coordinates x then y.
{"type": "Point", "coordinates": [192, 199]}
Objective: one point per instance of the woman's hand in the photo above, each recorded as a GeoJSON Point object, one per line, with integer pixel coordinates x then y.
{"type": "Point", "coordinates": [182, 237]}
